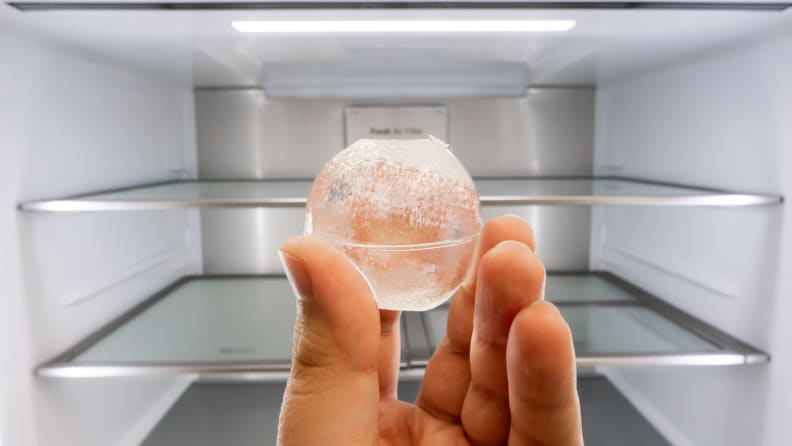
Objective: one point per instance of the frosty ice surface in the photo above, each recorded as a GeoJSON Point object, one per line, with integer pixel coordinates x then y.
{"type": "Point", "coordinates": [406, 212]}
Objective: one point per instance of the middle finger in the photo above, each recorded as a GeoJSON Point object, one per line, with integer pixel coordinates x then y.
{"type": "Point", "coordinates": [447, 375]}
{"type": "Point", "coordinates": [389, 353]}
{"type": "Point", "coordinates": [511, 277]}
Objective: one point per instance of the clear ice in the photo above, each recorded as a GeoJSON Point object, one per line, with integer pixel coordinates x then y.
{"type": "Point", "coordinates": [406, 213]}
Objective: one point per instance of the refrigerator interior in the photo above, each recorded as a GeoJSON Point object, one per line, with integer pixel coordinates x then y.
{"type": "Point", "coordinates": [103, 99]}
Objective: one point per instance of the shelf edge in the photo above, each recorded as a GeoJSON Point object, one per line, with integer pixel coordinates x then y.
{"type": "Point", "coordinates": [714, 200]}
{"type": "Point", "coordinates": [279, 373]}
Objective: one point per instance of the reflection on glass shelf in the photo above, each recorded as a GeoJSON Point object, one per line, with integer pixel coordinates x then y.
{"type": "Point", "coordinates": [292, 193]}
{"type": "Point", "coordinates": [230, 319]}
{"type": "Point", "coordinates": [184, 194]}
{"type": "Point", "coordinates": [607, 191]}
{"type": "Point", "coordinates": [249, 319]}
{"type": "Point", "coordinates": [613, 330]}
{"type": "Point", "coordinates": [212, 190]}
{"type": "Point", "coordinates": [583, 288]}
{"type": "Point", "coordinates": [599, 330]}
{"type": "Point", "coordinates": [579, 187]}
{"type": "Point", "coordinates": [235, 328]}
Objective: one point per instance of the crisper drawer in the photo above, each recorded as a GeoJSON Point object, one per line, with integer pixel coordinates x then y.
{"type": "Point", "coordinates": [247, 414]}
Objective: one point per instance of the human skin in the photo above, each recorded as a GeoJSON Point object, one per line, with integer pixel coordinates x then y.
{"type": "Point", "coordinates": [504, 373]}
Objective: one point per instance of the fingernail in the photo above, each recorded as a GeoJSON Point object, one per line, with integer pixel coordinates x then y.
{"type": "Point", "coordinates": [298, 275]}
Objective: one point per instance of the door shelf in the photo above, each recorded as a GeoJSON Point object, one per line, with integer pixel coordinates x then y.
{"type": "Point", "coordinates": [493, 191]}
{"type": "Point", "coordinates": [239, 328]}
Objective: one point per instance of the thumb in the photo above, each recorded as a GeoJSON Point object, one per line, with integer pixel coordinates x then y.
{"type": "Point", "coordinates": [332, 393]}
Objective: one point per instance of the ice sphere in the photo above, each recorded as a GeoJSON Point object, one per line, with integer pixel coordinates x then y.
{"type": "Point", "coordinates": [406, 213]}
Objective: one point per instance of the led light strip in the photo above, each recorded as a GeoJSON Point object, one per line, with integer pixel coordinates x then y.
{"type": "Point", "coordinates": [401, 26]}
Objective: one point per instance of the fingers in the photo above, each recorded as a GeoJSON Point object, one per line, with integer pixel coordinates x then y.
{"type": "Point", "coordinates": [542, 389]}
{"type": "Point", "coordinates": [447, 375]}
{"type": "Point", "coordinates": [389, 353]}
{"type": "Point", "coordinates": [333, 386]}
{"type": "Point", "coordinates": [506, 227]}
{"type": "Point", "coordinates": [511, 277]}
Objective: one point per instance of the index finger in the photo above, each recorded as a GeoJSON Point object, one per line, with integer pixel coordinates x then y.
{"type": "Point", "coordinates": [447, 374]}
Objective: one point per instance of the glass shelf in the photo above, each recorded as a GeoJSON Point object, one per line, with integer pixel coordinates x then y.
{"type": "Point", "coordinates": [247, 414]}
{"type": "Point", "coordinates": [501, 191]}
{"type": "Point", "coordinates": [207, 320]}
{"type": "Point", "coordinates": [599, 330]}
{"type": "Point", "coordinates": [615, 323]}
{"type": "Point", "coordinates": [239, 328]}
{"type": "Point", "coordinates": [584, 288]}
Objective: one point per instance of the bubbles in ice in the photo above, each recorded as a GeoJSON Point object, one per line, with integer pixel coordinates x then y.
{"type": "Point", "coordinates": [406, 212]}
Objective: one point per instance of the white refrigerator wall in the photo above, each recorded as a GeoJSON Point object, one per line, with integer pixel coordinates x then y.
{"type": "Point", "coordinates": [71, 122]}
{"type": "Point", "coordinates": [724, 120]}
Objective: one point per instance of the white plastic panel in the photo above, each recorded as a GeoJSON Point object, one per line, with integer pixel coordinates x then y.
{"type": "Point", "coordinates": [397, 79]}
{"type": "Point", "coordinates": [17, 408]}
{"type": "Point", "coordinates": [73, 121]}
{"type": "Point", "coordinates": [681, 253]}
{"type": "Point", "coordinates": [721, 119]}
{"type": "Point", "coordinates": [201, 47]}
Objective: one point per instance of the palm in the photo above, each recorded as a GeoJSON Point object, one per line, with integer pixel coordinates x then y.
{"type": "Point", "coordinates": [403, 424]}
{"type": "Point", "coordinates": [503, 374]}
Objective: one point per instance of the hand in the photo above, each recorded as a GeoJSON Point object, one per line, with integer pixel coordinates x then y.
{"type": "Point", "coordinates": [504, 373]}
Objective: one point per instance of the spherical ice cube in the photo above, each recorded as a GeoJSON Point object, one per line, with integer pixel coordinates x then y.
{"type": "Point", "coordinates": [406, 213]}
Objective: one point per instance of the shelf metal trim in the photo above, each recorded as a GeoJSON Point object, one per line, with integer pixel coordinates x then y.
{"type": "Point", "coordinates": [729, 200]}
{"type": "Point", "coordinates": [636, 200]}
{"type": "Point", "coordinates": [706, 197]}
{"type": "Point", "coordinates": [87, 370]}
{"type": "Point", "coordinates": [278, 373]}
{"type": "Point", "coordinates": [652, 359]}
{"type": "Point", "coordinates": [148, 205]}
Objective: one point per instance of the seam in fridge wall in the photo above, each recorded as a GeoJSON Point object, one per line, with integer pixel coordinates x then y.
{"type": "Point", "coordinates": [647, 409]}
{"type": "Point", "coordinates": [144, 424]}
{"type": "Point", "coordinates": [193, 233]}
{"type": "Point", "coordinates": [98, 285]}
